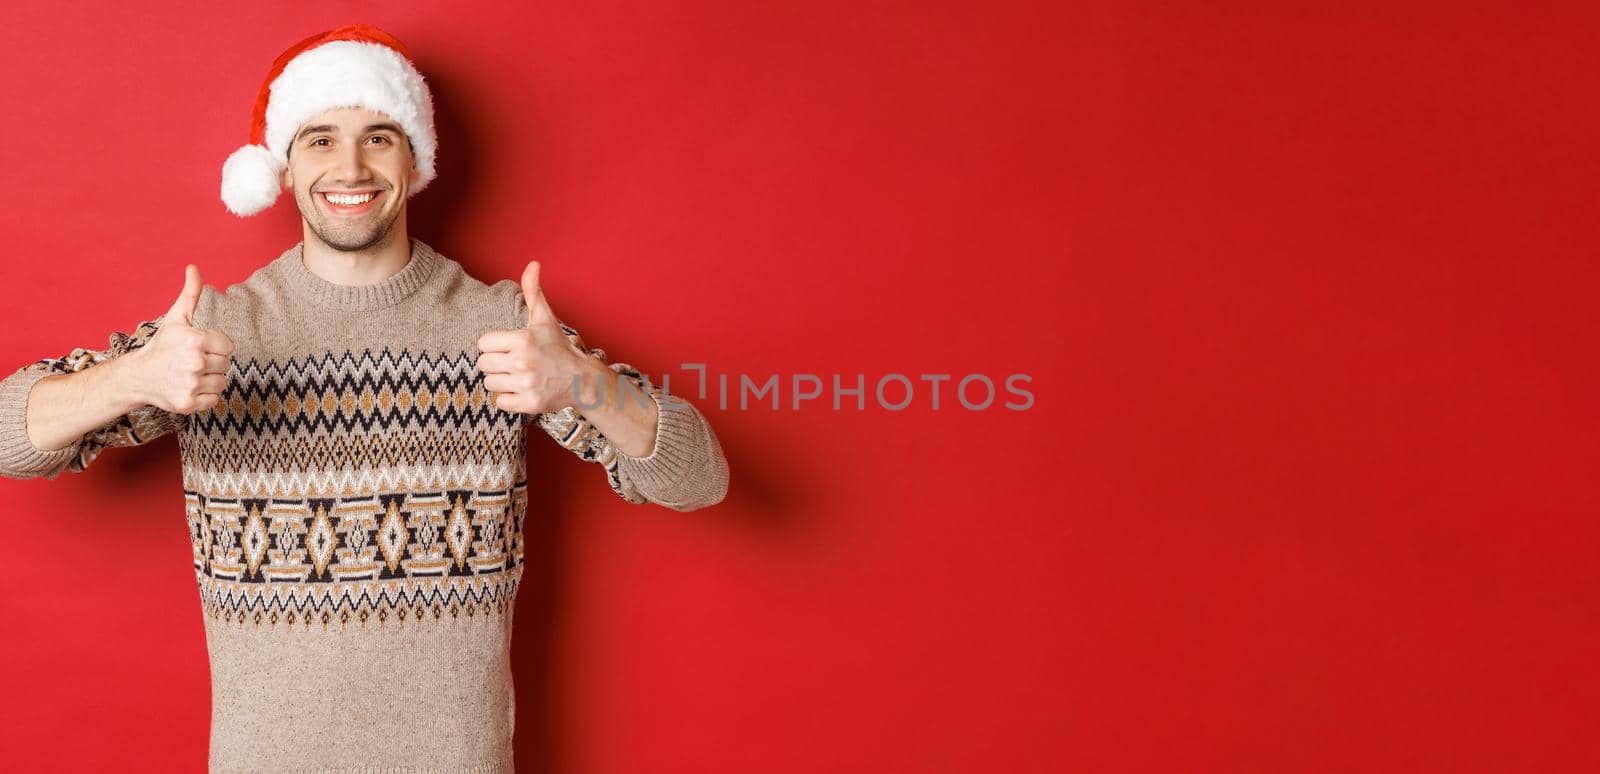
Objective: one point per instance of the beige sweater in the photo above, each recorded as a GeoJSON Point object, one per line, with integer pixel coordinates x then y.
{"type": "Point", "coordinates": [355, 503]}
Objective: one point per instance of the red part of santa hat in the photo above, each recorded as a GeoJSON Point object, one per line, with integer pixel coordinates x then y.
{"type": "Point", "coordinates": [356, 65]}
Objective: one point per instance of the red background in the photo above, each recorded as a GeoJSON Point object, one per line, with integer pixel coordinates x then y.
{"type": "Point", "coordinates": [1307, 297]}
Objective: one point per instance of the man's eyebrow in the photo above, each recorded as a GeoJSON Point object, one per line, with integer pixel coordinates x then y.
{"type": "Point", "coordinates": [385, 126]}
{"type": "Point", "coordinates": [314, 130]}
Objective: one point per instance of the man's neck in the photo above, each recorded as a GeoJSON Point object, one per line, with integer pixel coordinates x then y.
{"type": "Point", "coordinates": [365, 267]}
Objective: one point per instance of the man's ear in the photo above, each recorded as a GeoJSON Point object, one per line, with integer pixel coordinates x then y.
{"type": "Point", "coordinates": [285, 180]}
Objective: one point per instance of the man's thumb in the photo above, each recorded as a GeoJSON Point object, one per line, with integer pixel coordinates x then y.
{"type": "Point", "coordinates": [538, 308]}
{"type": "Point", "coordinates": [183, 308]}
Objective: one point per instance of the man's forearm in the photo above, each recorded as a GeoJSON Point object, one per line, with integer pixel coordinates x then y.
{"type": "Point", "coordinates": [64, 407]}
{"type": "Point", "coordinates": [621, 411]}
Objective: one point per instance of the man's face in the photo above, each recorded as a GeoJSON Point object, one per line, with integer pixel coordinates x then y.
{"type": "Point", "coordinates": [351, 154]}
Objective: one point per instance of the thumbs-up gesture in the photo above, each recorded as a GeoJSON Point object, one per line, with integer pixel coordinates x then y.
{"type": "Point", "coordinates": [182, 368]}
{"type": "Point", "coordinates": [533, 370]}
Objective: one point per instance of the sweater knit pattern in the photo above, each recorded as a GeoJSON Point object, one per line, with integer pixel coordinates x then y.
{"type": "Point", "coordinates": [355, 504]}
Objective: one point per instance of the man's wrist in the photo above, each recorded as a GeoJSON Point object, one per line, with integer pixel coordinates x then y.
{"type": "Point", "coordinates": [590, 383]}
{"type": "Point", "coordinates": [119, 379]}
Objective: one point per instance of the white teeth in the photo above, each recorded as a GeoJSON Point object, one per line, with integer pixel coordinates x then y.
{"type": "Point", "coordinates": [349, 199]}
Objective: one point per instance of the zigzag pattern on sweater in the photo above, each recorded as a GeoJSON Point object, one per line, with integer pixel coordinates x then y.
{"type": "Point", "coordinates": [368, 410]}
{"type": "Point", "coordinates": [398, 602]}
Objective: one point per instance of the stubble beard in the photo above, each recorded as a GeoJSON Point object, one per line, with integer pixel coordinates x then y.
{"type": "Point", "coordinates": [345, 234]}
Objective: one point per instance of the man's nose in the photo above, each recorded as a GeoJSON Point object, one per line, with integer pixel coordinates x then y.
{"type": "Point", "coordinates": [350, 166]}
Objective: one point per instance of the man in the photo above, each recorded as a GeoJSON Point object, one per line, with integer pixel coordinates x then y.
{"type": "Point", "coordinates": [351, 422]}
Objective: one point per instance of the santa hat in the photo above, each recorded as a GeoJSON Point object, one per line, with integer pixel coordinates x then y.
{"type": "Point", "coordinates": [351, 66]}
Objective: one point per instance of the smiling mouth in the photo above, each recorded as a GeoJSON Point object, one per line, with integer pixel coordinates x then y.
{"type": "Point", "coordinates": [350, 204]}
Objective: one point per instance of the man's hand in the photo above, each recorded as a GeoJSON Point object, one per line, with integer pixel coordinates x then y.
{"type": "Point", "coordinates": [533, 370]}
{"type": "Point", "coordinates": [182, 368]}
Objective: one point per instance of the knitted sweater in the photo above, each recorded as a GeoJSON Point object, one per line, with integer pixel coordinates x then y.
{"type": "Point", "coordinates": [355, 503]}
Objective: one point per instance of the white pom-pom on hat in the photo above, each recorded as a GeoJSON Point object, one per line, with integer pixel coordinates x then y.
{"type": "Point", "coordinates": [250, 180]}
{"type": "Point", "coordinates": [351, 66]}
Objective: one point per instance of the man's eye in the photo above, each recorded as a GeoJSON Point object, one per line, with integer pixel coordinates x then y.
{"type": "Point", "coordinates": [380, 137]}
{"type": "Point", "coordinates": [319, 139]}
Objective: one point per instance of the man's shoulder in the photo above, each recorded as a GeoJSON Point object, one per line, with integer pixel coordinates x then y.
{"type": "Point", "coordinates": [216, 305]}
{"type": "Point", "coordinates": [459, 290]}
{"type": "Point", "coordinates": [463, 296]}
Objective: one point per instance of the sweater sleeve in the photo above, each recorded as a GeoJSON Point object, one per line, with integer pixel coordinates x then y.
{"type": "Point", "coordinates": [19, 458]}
{"type": "Point", "coordinates": [687, 468]}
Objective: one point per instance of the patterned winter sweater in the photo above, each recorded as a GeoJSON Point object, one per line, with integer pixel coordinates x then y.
{"type": "Point", "coordinates": [355, 502]}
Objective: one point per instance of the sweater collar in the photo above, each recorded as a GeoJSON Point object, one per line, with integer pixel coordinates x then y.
{"type": "Point", "coordinates": [360, 298]}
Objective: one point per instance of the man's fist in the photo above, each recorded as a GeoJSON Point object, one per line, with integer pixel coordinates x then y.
{"type": "Point", "coordinates": [182, 369]}
{"type": "Point", "coordinates": [533, 370]}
